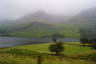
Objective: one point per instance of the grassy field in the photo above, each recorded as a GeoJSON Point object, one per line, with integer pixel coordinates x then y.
{"type": "Point", "coordinates": [28, 54]}
{"type": "Point", "coordinates": [67, 30]}
{"type": "Point", "coordinates": [46, 32]}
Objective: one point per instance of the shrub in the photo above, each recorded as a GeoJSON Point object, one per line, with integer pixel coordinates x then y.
{"type": "Point", "coordinates": [57, 48]}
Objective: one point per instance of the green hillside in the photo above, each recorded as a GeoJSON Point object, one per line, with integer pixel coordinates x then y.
{"type": "Point", "coordinates": [39, 29]}
{"type": "Point", "coordinates": [34, 29]}
{"type": "Point", "coordinates": [28, 54]}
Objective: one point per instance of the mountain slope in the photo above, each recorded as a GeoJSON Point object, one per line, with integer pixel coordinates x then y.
{"type": "Point", "coordinates": [39, 24]}
{"type": "Point", "coordinates": [43, 17]}
{"type": "Point", "coordinates": [34, 29]}
{"type": "Point", "coordinates": [88, 15]}
{"type": "Point", "coordinates": [86, 22]}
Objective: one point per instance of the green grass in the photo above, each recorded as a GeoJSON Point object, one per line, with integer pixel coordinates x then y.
{"type": "Point", "coordinates": [69, 49]}
{"type": "Point", "coordinates": [68, 30]}
{"type": "Point", "coordinates": [45, 32]}
{"type": "Point", "coordinates": [33, 32]}
{"type": "Point", "coordinates": [28, 54]}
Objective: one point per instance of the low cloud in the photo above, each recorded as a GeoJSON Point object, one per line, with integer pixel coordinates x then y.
{"type": "Point", "coordinates": [16, 8]}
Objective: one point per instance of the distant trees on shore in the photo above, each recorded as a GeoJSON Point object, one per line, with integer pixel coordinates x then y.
{"type": "Point", "coordinates": [61, 36]}
{"type": "Point", "coordinates": [90, 42]}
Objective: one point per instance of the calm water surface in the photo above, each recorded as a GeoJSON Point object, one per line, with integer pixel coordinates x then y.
{"type": "Point", "coordinates": [14, 41]}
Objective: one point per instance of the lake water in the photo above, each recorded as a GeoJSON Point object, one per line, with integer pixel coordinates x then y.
{"type": "Point", "coordinates": [14, 41]}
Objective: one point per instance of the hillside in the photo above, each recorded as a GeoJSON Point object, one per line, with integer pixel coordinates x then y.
{"type": "Point", "coordinates": [28, 54]}
{"type": "Point", "coordinates": [34, 29]}
{"type": "Point", "coordinates": [40, 24]}
{"type": "Point", "coordinates": [39, 29]}
{"type": "Point", "coordinates": [42, 17]}
{"type": "Point", "coordinates": [88, 15]}
{"type": "Point", "coordinates": [85, 21]}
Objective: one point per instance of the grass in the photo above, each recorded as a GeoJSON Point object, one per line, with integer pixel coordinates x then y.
{"type": "Point", "coordinates": [67, 30]}
{"type": "Point", "coordinates": [28, 54]}
{"type": "Point", "coordinates": [45, 32]}
{"type": "Point", "coordinates": [69, 49]}
{"type": "Point", "coordinates": [33, 33]}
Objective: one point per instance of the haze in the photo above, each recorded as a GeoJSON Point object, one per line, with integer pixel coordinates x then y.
{"type": "Point", "coordinates": [14, 9]}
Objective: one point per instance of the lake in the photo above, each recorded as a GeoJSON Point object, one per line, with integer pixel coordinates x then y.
{"type": "Point", "coordinates": [15, 41]}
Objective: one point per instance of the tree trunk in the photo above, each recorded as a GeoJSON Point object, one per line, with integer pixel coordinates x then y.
{"type": "Point", "coordinates": [56, 53]}
{"type": "Point", "coordinates": [39, 60]}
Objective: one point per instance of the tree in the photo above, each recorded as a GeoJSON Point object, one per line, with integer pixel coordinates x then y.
{"type": "Point", "coordinates": [54, 38]}
{"type": "Point", "coordinates": [93, 44]}
{"type": "Point", "coordinates": [84, 41]}
{"type": "Point", "coordinates": [57, 48]}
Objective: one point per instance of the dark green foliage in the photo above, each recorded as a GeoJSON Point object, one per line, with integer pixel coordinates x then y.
{"type": "Point", "coordinates": [93, 44]}
{"type": "Point", "coordinates": [91, 57]}
{"type": "Point", "coordinates": [2, 61]}
{"type": "Point", "coordinates": [57, 48]}
{"type": "Point", "coordinates": [84, 41]}
{"type": "Point", "coordinates": [90, 42]}
{"type": "Point", "coordinates": [54, 39]}
{"type": "Point", "coordinates": [3, 32]}
{"type": "Point", "coordinates": [21, 52]}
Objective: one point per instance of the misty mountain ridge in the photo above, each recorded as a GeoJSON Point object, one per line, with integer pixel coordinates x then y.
{"type": "Point", "coordinates": [40, 22]}
{"type": "Point", "coordinates": [34, 25]}
{"type": "Point", "coordinates": [85, 15]}
{"type": "Point", "coordinates": [42, 16]}
{"type": "Point", "coordinates": [88, 15]}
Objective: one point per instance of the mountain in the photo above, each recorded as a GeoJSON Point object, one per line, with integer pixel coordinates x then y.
{"type": "Point", "coordinates": [34, 29]}
{"type": "Point", "coordinates": [42, 16]}
{"type": "Point", "coordinates": [88, 15]}
{"type": "Point", "coordinates": [86, 22]}
{"type": "Point", "coordinates": [39, 24]}
{"type": "Point", "coordinates": [5, 21]}
{"type": "Point", "coordinates": [35, 24]}
{"type": "Point", "coordinates": [4, 24]}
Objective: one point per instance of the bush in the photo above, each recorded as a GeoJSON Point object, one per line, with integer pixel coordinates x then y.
{"type": "Point", "coordinates": [84, 41]}
{"type": "Point", "coordinates": [57, 48]}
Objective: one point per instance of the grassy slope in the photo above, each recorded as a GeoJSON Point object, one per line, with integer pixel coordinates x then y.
{"type": "Point", "coordinates": [41, 29]}
{"type": "Point", "coordinates": [25, 54]}
{"type": "Point", "coordinates": [69, 49]}
{"type": "Point", "coordinates": [68, 30]}
{"type": "Point", "coordinates": [33, 32]}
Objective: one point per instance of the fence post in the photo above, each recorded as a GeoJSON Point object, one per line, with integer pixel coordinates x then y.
{"type": "Point", "coordinates": [39, 60]}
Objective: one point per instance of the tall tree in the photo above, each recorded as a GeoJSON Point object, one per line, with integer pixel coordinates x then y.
{"type": "Point", "coordinates": [57, 48]}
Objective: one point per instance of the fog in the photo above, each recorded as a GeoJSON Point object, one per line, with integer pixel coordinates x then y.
{"type": "Point", "coordinates": [14, 9]}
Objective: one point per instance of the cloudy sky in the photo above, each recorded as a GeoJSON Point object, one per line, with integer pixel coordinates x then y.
{"type": "Point", "coordinates": [16, 8]}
